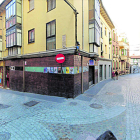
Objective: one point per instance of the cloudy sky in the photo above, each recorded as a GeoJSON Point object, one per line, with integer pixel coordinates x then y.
{"type": "Point", "coordinates": [125, 15]}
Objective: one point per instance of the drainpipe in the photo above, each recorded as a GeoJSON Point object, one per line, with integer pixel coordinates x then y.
{"type": "Point", "coordinates": [23, 51]}
{"type": "Point", "coordinates": [75, 12]}
{"type": "Point", "coordinates": [22, 31]}
{"type": "Point", "coordinates": [76, 42]}
{"type": "Point", "coordinates": [82, 24]}
{"type": "Point", "coordinates": [3, 54]}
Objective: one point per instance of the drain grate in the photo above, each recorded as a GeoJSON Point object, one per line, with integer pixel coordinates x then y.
{"type": "Point", "coordinates": [96, 106]}
{"type": "Point", "coordinates": [4, 106]}
{"type": "Point", "coordinates": [5, 136]}
{"type": "Point", "coordinates": [31, 103]}
{"type": "Point", "coordinates": [73, 103]}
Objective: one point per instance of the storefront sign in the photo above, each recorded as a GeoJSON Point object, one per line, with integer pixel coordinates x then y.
{"type": "Point", "coordinates": [91, 62]}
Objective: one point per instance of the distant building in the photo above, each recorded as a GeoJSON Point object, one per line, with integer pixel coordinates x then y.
{"type": "Point", "coordinates": [124, 53]}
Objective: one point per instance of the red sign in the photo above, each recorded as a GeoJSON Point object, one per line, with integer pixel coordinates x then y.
{"type": "Point", "coordinates": [60, 58]}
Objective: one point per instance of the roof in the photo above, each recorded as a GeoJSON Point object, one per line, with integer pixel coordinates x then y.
{"type": "Point", "coordinates": [135, 57]}
{"type": "Point", "coordinates": [105, 15]}
{"type": "Point", "coordinates": [3, 5]}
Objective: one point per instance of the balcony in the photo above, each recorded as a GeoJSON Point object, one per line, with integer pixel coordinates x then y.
{"type": "Point", "coordinates": [114, 55]}
{"type": "Point", "coordinates": [123, 45]}
{"type": "Point", "coordinates": [13, 37]}
{"type": "Point", "coordinates": [117, 55]}
{"type": "Point", "coordinates": [123, 57]}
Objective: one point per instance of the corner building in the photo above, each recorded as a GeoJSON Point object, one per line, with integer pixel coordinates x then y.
{"type": "Point", "coordinates": [35, 32]}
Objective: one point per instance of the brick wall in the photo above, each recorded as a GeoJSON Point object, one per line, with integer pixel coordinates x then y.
{"type": "Point", "coordinates": [66, 85]}
{"type": "Point", "coordinates": [16, 80]}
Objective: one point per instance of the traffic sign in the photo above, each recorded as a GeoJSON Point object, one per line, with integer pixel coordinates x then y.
{"type": "Point", "coordinates": [60, 58]}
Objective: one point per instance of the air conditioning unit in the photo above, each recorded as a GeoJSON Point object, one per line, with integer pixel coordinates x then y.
{"type": "Point", "coordinates": [12, 67]}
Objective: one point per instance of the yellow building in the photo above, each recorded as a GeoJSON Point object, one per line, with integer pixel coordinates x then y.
{"type": "Point", "coordinates": [34, 32]}
{"type": "Point", "coordinates": [105, 50]}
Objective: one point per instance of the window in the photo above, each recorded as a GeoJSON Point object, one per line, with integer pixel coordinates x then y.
{"type": "Point", "coordinates": [10, 9]}
{"type": "Point", "coordinates": [101, 33]}
{"type": "Point", "coordinates": [105, 48]}
{"type": "Point", "coordinates": [31, 36]}
{"type": "Point", "coordinates": [51, 4]}
{"type": "Point", "coordinates": [105, 31]}
{"type": "Point", "coordinates": [116, 50]}
{"type": "Point", "coordinates": [109, 71]}
{"type": "Point", "coordinates": [105, 72]}
{"type": "Point", "coordinates": [31, 5]}
{"type": "Point", "coordinates": [50, 35]}
{"type": "Point", "coordinates": [113, 50]}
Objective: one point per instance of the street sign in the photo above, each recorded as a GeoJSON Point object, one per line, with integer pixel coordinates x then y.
{"type": "Point", "coordinates": [60, 58]}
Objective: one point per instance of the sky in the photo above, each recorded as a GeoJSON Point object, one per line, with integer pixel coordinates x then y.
{"type": "Point", "coordinates": [125, 16]}
{"type": "Point", "coordinates": [1, 1]}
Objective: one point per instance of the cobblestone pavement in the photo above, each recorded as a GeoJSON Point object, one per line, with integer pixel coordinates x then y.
{"type": "Point", "coordinates": [115, 106]}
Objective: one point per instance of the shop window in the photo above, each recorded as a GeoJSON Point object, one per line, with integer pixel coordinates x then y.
{"type": "Point", "coordinates": [51, 4]}
{"type": "Point", "coordinates": [31, 36]}
{"type": "Point", "coordinates": [31, 5]}
{"type": "Point", "coordinates": [51, 35]}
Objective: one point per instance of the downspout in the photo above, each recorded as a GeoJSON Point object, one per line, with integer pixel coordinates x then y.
{"type": "Point", "coordinates": [76, 42]}
{"type": "Point", "coordinates": [82, 24]}
{"type": "Point", "coordinates": [23, 51]}
{"type": "Point", "coordinates": [22, 31]}
{"type": "Point", "coordinates": [3, 54]}
{"type": "Point", "coordinates": [75, 12]}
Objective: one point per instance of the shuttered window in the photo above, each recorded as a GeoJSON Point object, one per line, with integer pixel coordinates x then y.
{"type": "Point", "coordinates": [31, 5]}
{"type": "Point", "coordinates": [51, 4]}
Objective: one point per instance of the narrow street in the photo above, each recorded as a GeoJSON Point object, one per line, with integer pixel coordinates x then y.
{"type": "Point", "coordinates": [115, 107]}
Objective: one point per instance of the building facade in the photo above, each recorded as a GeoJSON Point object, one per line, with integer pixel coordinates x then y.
{"type": "Point", "coordinates": [124, 51]}
{"type": "Point", "coordinates": [34, 32]}
{"type": "Point", "coordinates": [105, 50]}
{"type": "Point", "coordinates": [116, 63]}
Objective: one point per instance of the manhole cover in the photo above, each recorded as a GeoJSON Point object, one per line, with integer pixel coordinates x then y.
{"type": "Point", "coordinates": [110, 93]}
{"type": "Point", "coordinates": [31, 103]}
{"type": "Point", "coordinates": [4, 106]}
{"type": "Point", "coordinates": [73, 103]}
{"type": "Point", "coordinates": [89, 95]}
{"type": "Point", "coordinates": [96, 106]}
{"type": "Point", "coordinates": [5, 136]}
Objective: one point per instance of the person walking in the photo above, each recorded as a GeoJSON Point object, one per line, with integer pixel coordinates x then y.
{"type": "Point", "coordinates": [113, 75]}
{"type": "Point", "coordinates": [116, 73]}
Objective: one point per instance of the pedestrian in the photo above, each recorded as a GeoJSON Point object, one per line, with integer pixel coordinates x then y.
{"type": "Point", "coordinates": [116, 73]}
{"type": "Point", "coordinates": [113, 75]}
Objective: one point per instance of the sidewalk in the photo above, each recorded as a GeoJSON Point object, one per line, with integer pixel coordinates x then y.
{"type": "Point", "coordinates": [83, 118]}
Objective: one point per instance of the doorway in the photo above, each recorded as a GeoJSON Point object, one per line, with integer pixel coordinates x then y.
{"type": "Point", "coordinates": [7, 79]}
{"type": "Point", "coordinates": [91, 75]}
{"type": "Point", "coordinates": [100, 72]}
